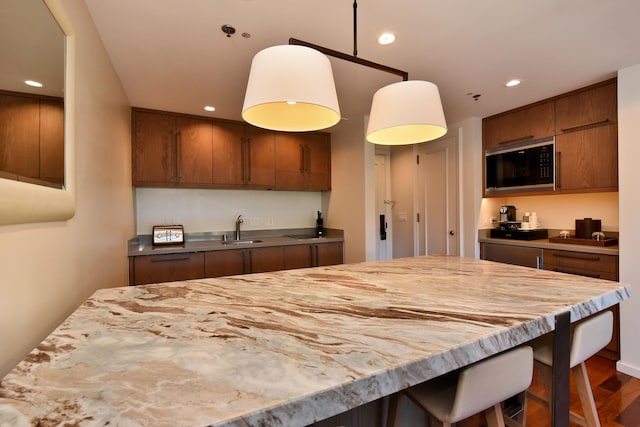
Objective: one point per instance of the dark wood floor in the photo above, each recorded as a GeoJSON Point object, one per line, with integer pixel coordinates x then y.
{"type": "Point", "coordinates": [617, 397]}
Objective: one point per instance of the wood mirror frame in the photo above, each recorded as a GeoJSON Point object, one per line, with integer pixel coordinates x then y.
{"type": "Point", "coordinates": [22, 202]}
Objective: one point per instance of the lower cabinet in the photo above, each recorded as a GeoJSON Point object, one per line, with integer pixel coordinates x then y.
{"type": "Point", "coordinates": [166, 268]}
{"type": "Point", "coordinates": [303, 256]}
{"type": "Point", "coordinates": [243, 261]}
{"type": "Point", "coordinates": [516, 255]}
{"type": "Point", "coordinates": [590, 265]}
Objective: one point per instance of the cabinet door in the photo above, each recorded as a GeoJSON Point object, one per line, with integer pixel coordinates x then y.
{"type": "Point", "coordinates": [587, 160]}
{"type": "Point", "coordinates": [508, 254]}
{"type": "Point", "coordinates": [224, 263]}
{"type": "Point", "coordinates": [298, 256]}
{"type": "Point", "coordinates": [168, 268]}
{"type": "Point", "coordinates": [260, 166]}
{"type": "Point", "coordinates": [153, 145]}
{"type": "Point", "coordinates": [329, 253]}
{"type": "Point", "coordinates": [52, 141]}
{"type": "Point", "coordinates": [525, 124]}
{"type": "Point", "coordinates": [194, 150]}
{"type": "Point", "coordinates": [265, 259]}
{"type": "Point", "coordinates": [228, 154]}
{"type": "Point", "coordinates": [592, 107]}
{"type": "Point", "coordinates": [303, 161]}
{"type": "Point", "coordinates": [19, 149]}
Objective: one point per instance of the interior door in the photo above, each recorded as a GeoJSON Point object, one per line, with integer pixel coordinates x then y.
{"type": "Point", "coordinates": [438, 218]}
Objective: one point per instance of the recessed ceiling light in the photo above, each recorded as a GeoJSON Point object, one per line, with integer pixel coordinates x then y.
{"type": "Point", "coordinates": [33, 83]}
{"type": "Point", "coordinates": [209, 108]}
{"type": "Point", "coordinates": [514, 82]}
{"type": "Point", "coordinates": [387, 38]}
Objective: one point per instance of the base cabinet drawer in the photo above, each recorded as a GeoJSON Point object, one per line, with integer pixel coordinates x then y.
{"type": "Point", "coordinates": [243, 261]}
{"type": "Point", "coordinates": [508, 254]}
{"type": "Point", "coordinates": [585, 264]}
{"type": "Point", "coordinates": [167, 268]}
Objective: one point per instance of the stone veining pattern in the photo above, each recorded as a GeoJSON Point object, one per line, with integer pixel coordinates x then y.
{"type": "Point", "coordinates": [285, 348]}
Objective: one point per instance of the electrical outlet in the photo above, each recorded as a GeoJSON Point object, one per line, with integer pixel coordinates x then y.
{"type": "Point", "coordinates": [270, 221]}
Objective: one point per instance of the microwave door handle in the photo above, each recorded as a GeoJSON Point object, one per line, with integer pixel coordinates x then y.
{"type": "Point", "coordinates": [558, 169]}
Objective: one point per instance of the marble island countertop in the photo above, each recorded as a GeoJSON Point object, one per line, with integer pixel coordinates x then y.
{"type": "Point", "coordinates": [198, 242]}
{"type": "Point", "coordinates": [285, 348]}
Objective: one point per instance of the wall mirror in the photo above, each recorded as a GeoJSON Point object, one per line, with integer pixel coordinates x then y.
{"type": "Point", "coordinates": [36, 138]}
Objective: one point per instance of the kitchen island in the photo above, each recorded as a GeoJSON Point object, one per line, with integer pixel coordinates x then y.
{"type": "Point", "coordinates": [285, 348]}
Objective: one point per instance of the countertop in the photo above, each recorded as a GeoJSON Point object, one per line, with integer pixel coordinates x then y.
{"type": "Point", "coordinates": [285, 348]}
{"type": "Point", "coordinates": [483, 237]}
{"type": "Point", "coordinates": [200, 242]}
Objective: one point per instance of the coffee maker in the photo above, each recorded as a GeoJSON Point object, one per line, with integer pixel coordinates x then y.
{"type": "Point", "coordinates": [508, 218]}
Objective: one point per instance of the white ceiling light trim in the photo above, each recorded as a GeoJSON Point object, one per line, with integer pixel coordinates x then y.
{"type": "Point", "coordinates": [407, 112]}
{"type": "Point", "coordinates": [291, 89]}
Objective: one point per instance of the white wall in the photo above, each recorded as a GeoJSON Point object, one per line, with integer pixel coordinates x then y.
{"type": "Point", "coordinates": [558, 211]}
{"type": "Point", "coordinates": [346, 204]}
{"type": "Point", "coordinates": [48, 269]}
{"type": "Point", "coordinates": [629, 174]}
{"type": "Point", "coordinates": [216, 210]}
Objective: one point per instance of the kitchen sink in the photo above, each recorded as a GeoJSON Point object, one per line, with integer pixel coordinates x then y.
{"type": "Point", "coordinates": [240, 242]}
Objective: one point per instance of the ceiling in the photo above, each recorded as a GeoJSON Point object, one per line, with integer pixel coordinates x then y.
{"type": "Point", "coordinates": [172, 55]}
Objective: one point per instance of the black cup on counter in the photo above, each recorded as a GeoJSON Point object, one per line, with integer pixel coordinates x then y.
{"type": "Point", "coordinates": [586, 227]}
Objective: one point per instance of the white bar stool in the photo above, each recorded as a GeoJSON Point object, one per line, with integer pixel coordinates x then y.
{"type": "Point", "coordinates": [589, 337]}
{"type": "Point", "coordinates": [480, 387]}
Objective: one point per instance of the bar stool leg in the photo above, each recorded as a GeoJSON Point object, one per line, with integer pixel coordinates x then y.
{"type": "Point", "coordinates": [494, 416]}
{"type": "Point", "coordinates": [392, 410]}
{"type": "Point", "coordinates": [585, 394]}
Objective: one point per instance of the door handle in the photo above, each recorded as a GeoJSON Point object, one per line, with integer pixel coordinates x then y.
{"type": "Point", "coordinates": [452, 233]}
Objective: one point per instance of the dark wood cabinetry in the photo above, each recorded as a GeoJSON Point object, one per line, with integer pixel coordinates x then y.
{"type": "Point", "coordinates": [584, 123]}
{"type": "Point", "coordinates": [243, 261]}
{"type": "Point", "coordinates": [515, 255]}
{"type": "Point", "coordinates": [303, 161]}
{"type": "Point", "coordinates": [590, 265]}
{"type": "Point", "coordinates": [524, 124]}
{"type": "Point", "coordinates": [314, 255]}
{"type": "Point", "coordinates": [32, 145]}
{"type": "Point", "coordinates": [166, 268]}
{"type": "Point", "coordinates": [174, 150]}
{"type": "Point", "coordinates": [244, 156]}
{"type": "Point", "coordinates": [171, 150]}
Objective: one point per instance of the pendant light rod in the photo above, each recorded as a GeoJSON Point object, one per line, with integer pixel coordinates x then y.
{"type": "Point", "coordinates": [355, 28]}
{"type": "Point", "coordinates": [350, 58]}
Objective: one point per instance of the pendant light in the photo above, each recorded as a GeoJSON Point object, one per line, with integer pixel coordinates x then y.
{"type": "Point", "coordinates": [407, 112]}
{"type": "Point", "coordinates": [291, 89]}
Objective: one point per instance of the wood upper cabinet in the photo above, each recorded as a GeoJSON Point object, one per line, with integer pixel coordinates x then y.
{"type": "Point", "coordinates": [244, 156]}
{"type": "Point", "coordinates": [591, 107]}
{"type": "Point", "coordinates": [32, 144]}
{"type": "Point", "coordinates": [524, 124]}
{"type": "Point", "coordinates": [587, 160]}
{"type": "Point", "coordinates": [171, 150]}
{"type": "Point", "coordinates": [303, 161]}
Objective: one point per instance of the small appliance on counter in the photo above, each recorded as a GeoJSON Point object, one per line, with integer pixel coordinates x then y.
{"type": "Point", "coordinates": [168, 235]}
{"type": "Point", "coordinates": [510, 228]}
{"type": "Point", "coordinates": [319, 225]}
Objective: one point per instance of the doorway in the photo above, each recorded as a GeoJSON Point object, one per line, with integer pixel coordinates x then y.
{"type": "Point", "coordinates": [437, 204]}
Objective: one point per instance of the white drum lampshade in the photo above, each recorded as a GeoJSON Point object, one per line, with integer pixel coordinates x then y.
{"type": "Point", "coordinates": [291, 89]}
{"type": "Point", "coordinates": [407, 112]}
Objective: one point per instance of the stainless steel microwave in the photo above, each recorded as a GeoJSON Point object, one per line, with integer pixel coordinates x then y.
{"type": "Point", "coordinates": [522, 167]}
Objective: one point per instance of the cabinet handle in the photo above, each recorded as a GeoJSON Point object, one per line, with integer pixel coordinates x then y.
{"type": "Point", "coordinates": [248, 159]}
{"type": "Point", "coordinates": [578, 127]}
{"type": "Point", "coordinates": [301, 158]}
{"type": "Point", "coordinates": [179, 154]}
{"type": "Point", "coordinates": [579, 273]}
{"type": "Point", "coordinates": [308, 159]}
{"type": "Point", "coordinates": [521, 138]}
{"type": "Point", "coordinates": [580, 257]}
{"type": "Point", "coordinates": [538, 263]}
{"type": "Point", "coordinates": [178, 258]}
{"type": "Point", "coordinates": [243, 166]}
{"type": "Point", "coordinates": [558, 169]}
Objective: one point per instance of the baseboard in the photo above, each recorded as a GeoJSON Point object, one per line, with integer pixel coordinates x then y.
{"type": "Point", "coordinates": [625, 368]}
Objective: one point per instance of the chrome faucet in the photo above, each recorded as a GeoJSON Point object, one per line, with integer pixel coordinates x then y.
{"type": "Point", "coordinates": [239, 221]}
